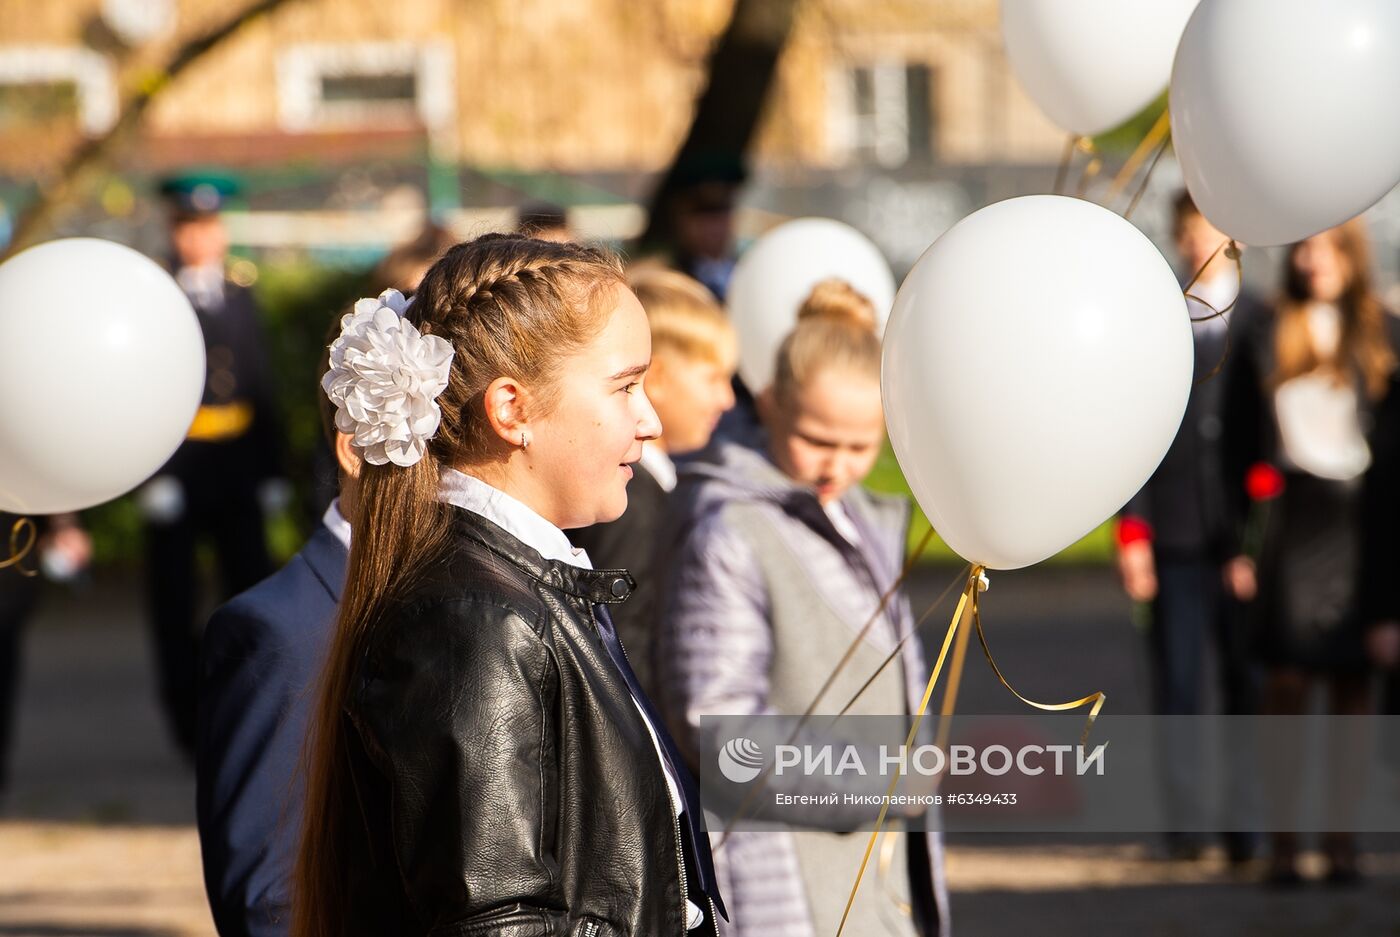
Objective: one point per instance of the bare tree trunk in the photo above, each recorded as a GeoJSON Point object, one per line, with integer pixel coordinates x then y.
{"type": "Point", "coordinates": [95, 154]}
{"type": "Point", "coordinates": [741, 69]}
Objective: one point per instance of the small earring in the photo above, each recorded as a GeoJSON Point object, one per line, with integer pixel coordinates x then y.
{"type": "Point", "coordinates": [524, 441]}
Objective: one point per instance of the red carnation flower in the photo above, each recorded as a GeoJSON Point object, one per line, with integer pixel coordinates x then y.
{"type": "Point", "coordinates": [1263, 482]}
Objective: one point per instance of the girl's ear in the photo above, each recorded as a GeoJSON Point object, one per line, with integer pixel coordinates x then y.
{"type": "Point", "coordinates": [505, 409]}
{"type": "Point", "coordinates": [346, 455]}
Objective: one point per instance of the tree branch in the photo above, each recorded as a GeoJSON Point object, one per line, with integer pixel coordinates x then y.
{"type": "Point", "coordinates": [92, 155]}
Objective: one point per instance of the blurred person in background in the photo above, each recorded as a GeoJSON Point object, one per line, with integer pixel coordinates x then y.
{"type": "Point", "coordinates": [700, 220]}
{"type": "Point", "coordinates": [701, 243]}
{"type": "Point", "coordinates": [403, 267]}
{"type": "Point", "coordinates": [784, 560]}
{"type": "Point", "coordinates": [259, 658]}
{"type": "Point", "coordinates": [693, 355]}
{"type": "Point", "coordinates": [62, 550]}
{"type": "Point", "coordinates": [225, 479]}
{"type": "Point", "coordinates": [1380, 561]}
{"type": "Point", "coordinates": [1304, 385]}
{"type": "Point", "coordinates": [543, 220]}
{"type": "Point", "coordinates": [1173, 537]}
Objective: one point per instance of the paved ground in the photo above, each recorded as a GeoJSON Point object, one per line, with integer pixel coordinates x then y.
{"type": "Point", "coordinates": [96, 835]}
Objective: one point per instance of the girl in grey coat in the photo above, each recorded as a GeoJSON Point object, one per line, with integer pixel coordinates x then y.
{"type": "Point", "coordinates": [782, 559]}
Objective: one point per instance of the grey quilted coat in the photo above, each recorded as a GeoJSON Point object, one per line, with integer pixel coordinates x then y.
{"type": "Point", "coordinates": [763, 597]}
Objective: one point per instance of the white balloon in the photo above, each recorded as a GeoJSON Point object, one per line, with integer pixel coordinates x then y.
{"type": "Point", "coordinates": [1036, 369]}
{"type": "Point", "coordinates": [1092, 64]}
{"type": "Point", "coordinates": [1284, 113]}
{"type": "Point", "coordinates": [777, 273]}
{"type": "Point", "coordinates": [101, 372]}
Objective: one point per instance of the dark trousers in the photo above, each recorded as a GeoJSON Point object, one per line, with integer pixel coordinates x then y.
{"type": "Point", "coordinates": [18, 595]}
{"type": "Point", "coordinates": [233, 522]}
{"type": "Point", "coordinates": [1192, 616]}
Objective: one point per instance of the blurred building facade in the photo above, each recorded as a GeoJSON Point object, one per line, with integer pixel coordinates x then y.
{"type": "Point", "coordinates": [353, 119]}
{"type": "Point", "coordinates": [582, 86]}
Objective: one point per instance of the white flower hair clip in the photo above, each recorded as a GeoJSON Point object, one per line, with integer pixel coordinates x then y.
{"type": "Point", "coordinates": [385, 378]}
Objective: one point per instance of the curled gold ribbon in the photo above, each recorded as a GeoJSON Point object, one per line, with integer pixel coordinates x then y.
{"type": "Point", "coordinates": [968, 605]}
{"type": "Point", "coordinates": [909, 742]}
{"type": "Point", "coordinates": [1233, 252]}
{"type": "Point", "coordinates": [1094, 700]}
{"type": "Point", "coordinates": [22, 538]}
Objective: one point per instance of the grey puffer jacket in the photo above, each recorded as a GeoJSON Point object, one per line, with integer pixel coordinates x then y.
{"type": "Point", "coordinates": [763, 597]}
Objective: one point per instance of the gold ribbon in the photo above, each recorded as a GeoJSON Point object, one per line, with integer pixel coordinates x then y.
{"type": "Point", "coordinates": [1233, 252]}
{"type": "Point", "coordinates": [1152, 138]}
{"type": "Point", "coordinates": [1096, 699]}
{"type": "Point", "coordinates": [850, 652]}
{"type": "Point", "coordinates": [888, 843]}
{"type": "Point", "coordinates": [1156, 158]}
{"type": "Point", "coordinates": [22, 537]}
{"type": "Point", "coordinates": [1071, 142]}
{"type": "Point", "coordinates": [968, 604]}
{"type": "Point", "coordinates": [1091, 169]}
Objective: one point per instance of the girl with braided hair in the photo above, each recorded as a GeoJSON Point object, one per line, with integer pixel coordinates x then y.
{"type": "Point", "coordinates": [482, 760]}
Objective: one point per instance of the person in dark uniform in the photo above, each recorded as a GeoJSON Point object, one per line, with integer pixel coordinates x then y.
{"type": "Point", "coordinates": [700, 235]}
{"type": "Point", "coordinates": [218, 482]}
{"type": "Point", "coordinates": [1173, 538]}
{"type": "Point", "coordinates": [693, 354]}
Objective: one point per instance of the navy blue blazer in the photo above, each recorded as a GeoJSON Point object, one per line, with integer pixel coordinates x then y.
{"type": "Point", "coordinates": [260, 658]}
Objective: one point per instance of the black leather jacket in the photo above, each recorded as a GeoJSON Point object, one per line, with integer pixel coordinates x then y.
{"type": "Point", "coordinates": [507, 782]}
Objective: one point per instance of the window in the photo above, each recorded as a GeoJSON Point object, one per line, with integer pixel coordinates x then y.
{"type": "Point", "coordinates": [370, 83]}
{"type": "Point", "coordinates": [391, 89]}
{"type": "Point", "coordinates": [42, 83]}
{"type": "Point", "coordinates": [37, 104]}
{"type": "Point", "coordinates": [883, 113]}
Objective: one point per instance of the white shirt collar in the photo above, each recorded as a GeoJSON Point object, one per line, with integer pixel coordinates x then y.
{"type": "Point", "coordinates": [514, 517]}
{"type": "Point", "coordinates": [659, 464]}
{"type": "Point", "coordinates": [842, 522]}
{"type": "Point", "coordinates": [336, 523]}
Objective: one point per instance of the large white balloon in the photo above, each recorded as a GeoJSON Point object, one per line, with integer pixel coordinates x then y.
{"type": "Point", "coordinates": [1092, 64]}
{"type": "Point", "coordinates": [777, 273]}
{"type": "Point", "coordinates": [1036, 369]}
{"type": "Point", "coordinates": [1284, 113]}
{"type": "Point", "coordinates": [101, 372]}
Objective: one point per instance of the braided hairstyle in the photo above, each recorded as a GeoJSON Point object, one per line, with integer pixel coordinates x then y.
{"type": "Point", "coordinates": [511, 306]}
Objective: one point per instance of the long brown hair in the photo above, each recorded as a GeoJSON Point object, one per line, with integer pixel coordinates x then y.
{"type": "Point", "coordinates": [509, 305]}
{"type": "Point", "coordinates": [1364, 350]}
